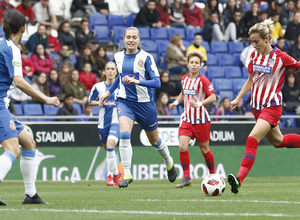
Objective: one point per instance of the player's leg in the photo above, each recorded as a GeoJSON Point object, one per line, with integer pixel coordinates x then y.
{"type": "Point", "coordinates": [27, 166]}
{"type": "Point", "coordinates": [279, 141]}
{"type": "Point", "coordinates": [208, 156]}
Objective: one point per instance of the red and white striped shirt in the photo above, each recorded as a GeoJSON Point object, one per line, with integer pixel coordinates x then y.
{"type": "Point", "coordinates": [196, 90]}
{"type": "Point", "coordinates": [268, 76]}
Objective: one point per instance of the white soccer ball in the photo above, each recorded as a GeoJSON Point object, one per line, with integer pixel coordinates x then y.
{"type": "Point", "coordinates": [213, 185]}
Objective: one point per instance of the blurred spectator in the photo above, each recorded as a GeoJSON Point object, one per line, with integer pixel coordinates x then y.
{"type": "Point", "coordinates": [87, 111]}
{"type": "Point", "coordinates": [295, 51]}
{"type": "Point", "coordinates": [176, 14]}
{"type": "Point", "coordinates": [292, 30]}
{"type": "Point", "coordinates": [76, 88]}
{"type": "Point", "coordinates": [163, 12]}
{"type": "Point", "coordinates": [4, 5]}
{"type": "Point", "coordinates": [175, 55]}
{"type": "Point", "coordinates": [245, 55]}
{"type": "Point", "coordinates": [101, 59]}
{"type": "Point", "coordinates": [241, 29]}
{"type": "Point", "coordinates": [19, 97]}
{"type": "Point", "coordinates": [84, 35]}
{"type": "Point", "coordinates": [87, 77]}
{"type": "Point", "coordinates": [263, 15]}
{"type": "Point", "coordinates": [197, 45]}
{"type": "Point", "coordinates": [55, 87]}
{"type": "Point", "coordinates": [44, 13]}
{"type": "Point", "coordinates": [62, 57]}
{"type": "Point", "coordinates": [287, 13]}
{"type": "Point", "coordinates": [277, 29]}
{"type": "Point", "coordinates": [86, 56]}
{"type": "Point", "coordinates": [101, 6]}
{"type": "Point", "coordinates": [224, 109]}
{"type": "Point", "coordinates": [42, 62]}
{"type": "Point", "coordinates": [118, 7]}
{"type": "Point", "coordinates": [39, 37]}
{"type": "Point", "coordinates": [193, 15]}
{"type": "Point", "coordinates": [148, 16]}
{"type": "Point", "coordinates": [252, 16]}
{"type": "Point", "coordinates": [276, 6]}
{"type": "Point", "coordinates": [298, 5]}
{"type": "Point", "coordinates": [40, 84]}
{"type": "Point", "coordinates": [228, 12]}
{"type": "Point", "coordinates": [26, 9]}
{"type": "Point", "coordinates": [162, 104]}
{"type": "Point", "coordinates": [67, 108]}
{"type": "Point", "coordinates": [65, 73]}
{"type": "Point", "coordinates": [134, 6]}
{"type": "Point", "coordinates": [212, 6]}
{"type": "Point", "coordinates": [27, 64]}
{"type": "Point", "coordinates": [281, 44]}
{"type": "Point", "coordinates": [166, 86]}
{"type": "Point", "coordinates": [291, 92]}
{"type": "Point", "coordinates": [54, 44]}
{"type": "Point", "coordinates": [66, 38]}
{"type": "Point", "coordinates": [81, 8]}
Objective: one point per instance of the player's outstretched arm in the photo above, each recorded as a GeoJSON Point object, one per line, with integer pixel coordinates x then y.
{"type": "Point", "coordinates": [21, 83]}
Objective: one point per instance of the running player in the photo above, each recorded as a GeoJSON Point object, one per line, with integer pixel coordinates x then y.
{"type": "Point", "coordinates": [12, 131]}
{"type": "Point", "coordinates": [138, 74]}
{"type": "Point", "coordinates": [267, 70]}
{"type": "Point", "coordinates": [197, 92]}
{"type": "Point", "coordinates": [108, 121]}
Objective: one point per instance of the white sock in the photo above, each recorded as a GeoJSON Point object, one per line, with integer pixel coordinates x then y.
{"type": "Point", "coordinates": [6, 161]}
{"type": "Point", "coordinates": [111, 161]}
{"type": "Point", "coordinates": [27, 166]}
{"type": "Point", "coordinates": [126, 155]}
{"type": "Point", "coordinates": [163, 150]}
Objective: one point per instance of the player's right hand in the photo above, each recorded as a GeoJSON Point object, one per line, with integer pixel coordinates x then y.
{"type": "Point", "coordinates": [234, 103]}
{"type": "Point", "coordinates": [103, 98]}
{"type": "Point", "coordinates": [172, 106]}
{"type": "Point", "coordinates": [53, 101]}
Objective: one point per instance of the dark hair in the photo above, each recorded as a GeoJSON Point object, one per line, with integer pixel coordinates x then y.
{"type": "Point", "coordinates": [197, 34]}
{"type": "Point", "coordinates": [62, 24]}
{"type": "Point", "coordinates": [12, 22]}
{"type": "Point", "coordinates": [84, 20]}
{"type": "Point", "coordinates": [290, 73]}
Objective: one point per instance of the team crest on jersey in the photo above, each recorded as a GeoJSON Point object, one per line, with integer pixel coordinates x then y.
{"type": "Point", "coordinates": [271, 62]}
{"type": "Point", "coordinates": [12, 125]}
{"type": "Point", "coordinates": [141, 62]}
{"type": "Point", "coordinates": [195, 85]}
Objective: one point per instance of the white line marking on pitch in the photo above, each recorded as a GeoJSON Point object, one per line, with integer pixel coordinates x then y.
{"type": "Point", "coordinates": [208, 200]}
{"type": "Point", "coordinates": [156, 213]}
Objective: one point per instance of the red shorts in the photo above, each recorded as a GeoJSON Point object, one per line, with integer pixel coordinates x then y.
{"type": "Point", "coordinates": [199, 131]}
{"type": "Point", "coordinates": [269, 114]}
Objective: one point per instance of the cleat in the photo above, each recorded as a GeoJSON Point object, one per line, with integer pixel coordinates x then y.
{"type": "Point", "coordinates": [172, 173]}
{"type": "Point", "coordinates": [186, 181]}
{"type": "Point", "coordinates": [125, 182]}
{"type": "Point", "coordinates": [234, 182]}
{"type": "Point", "coordinates": [2, 203]}
{"type": "Point", "coordinates": [116, 179]}
{"type": "Point", "coordinates": [33, 200]}
{"type": "Point", "coordinates": [109, 180]}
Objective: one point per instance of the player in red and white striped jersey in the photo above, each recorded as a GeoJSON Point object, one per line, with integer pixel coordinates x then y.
{"type": "Point", "coordinates": [267, 70]}
{"type": "Point", "coordinates": [197, 92]}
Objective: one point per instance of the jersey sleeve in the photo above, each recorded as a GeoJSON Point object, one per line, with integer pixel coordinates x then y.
{"type": "Point", "coordinates": [289, 62]}
{"type": "Point", "coordinates": [94, 94]}
{"type": "Point", "coordinates": [13, 61]}
{"type": "Point", "coordinates": [250, 65]}
{"type": "Point", "coordinates": [207, 86]}
{"type": "Point", "coordinates": [151, 67]}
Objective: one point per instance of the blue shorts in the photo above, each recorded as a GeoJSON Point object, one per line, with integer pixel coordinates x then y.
{"type": "Point", "coordinates": [10, 127]}
{"type": "Point", "coordinates": [143, 112]}
{"type": "Point", "coordinates": [113, 130]}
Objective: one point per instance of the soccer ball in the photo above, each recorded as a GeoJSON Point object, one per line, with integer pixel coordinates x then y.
{"type": "Point", "coordinates": [213, 185]}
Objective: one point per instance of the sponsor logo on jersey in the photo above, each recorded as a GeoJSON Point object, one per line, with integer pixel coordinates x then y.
{"type": "Point", "coordinates": [262, 69]}
{"type": "Point", "coordinates": [141, 62]}
{"type": "Point", "coordinates": [109, 103]}
{"type": "Point", "coordinates": [17, 64]}
{"type": "Point", "coordinates": [12, 125]}
{"type": "Point", "coordinates": [190, 92]}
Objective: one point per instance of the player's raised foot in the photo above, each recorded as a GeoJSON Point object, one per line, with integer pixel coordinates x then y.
{"type": "Point", "coordinates": [116, 179]}
{"type": "Point", "coordinates": [33, 200]}
{"type": "Point", "coordinates": [186, 181]}
{"type": "Point", "coordinates": [172, 173]}
{"type": "Point", "coordinates": [234, 183]}
{"type": "Point", "coordinates": [2, 203]}
{"type": "Point", "coordinates": [109, 180]}
{"type": "Point", "coordinates": [125, 182]}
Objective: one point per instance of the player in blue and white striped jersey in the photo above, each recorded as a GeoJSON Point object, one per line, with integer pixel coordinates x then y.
{"type": "Point", "coordinates": [108, 121]}
{"type": "Point", "coordinates": [137, 75]}
{"type": "Point", "coordinates": [11, 130]}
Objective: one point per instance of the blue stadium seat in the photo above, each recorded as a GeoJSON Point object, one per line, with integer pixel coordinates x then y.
{"type": "Point", "coordinates": [186, 43]}
{"type": "Point", "coordinates": [121, 44]}
{"type": "Point", "coordinates": [78, 107]}
{"type": "Point", "coordinates": [130, 19]}
{"type": "Point", "coordinates": [110, 57]}
{"type": "Point", "coordinates": [18, 109]}
{"type": "Point", "coordinates": [233, 72]}
{"type": "Point", "coordinates": [206, 45]}
{"type": "Point", "coordinates": [215, 72]}
{"type": "Point", "coordinates": [161, 46]}
{"type": "Point", "coordinates": [95, 109]}
{"type": "Point", "coordinates": [238, 84]}
{"type": "Point", "coordinates": [156, 59]}
{"type": "Point", "coordinates": [149, 46]}
{"type": "Point", "coordinates": [246, 97]}
{"type": "Point", "coordinates": [288, 123]}
{"type": "Point", "coordinates": [225, 59]}
{"type": "Point", "coordinates": [97, 19]}
{"type": "Point", "coordinates": [50, 110]}
{"type": "Point", "coordinates": [218, 47]}
{"type": "Point", "coordinates": [190, 32]}
{"type": "Point", "coordinates": [118, 33]}
{"type": "Point", "coordinates": [159, 33]}
{"type": "Point", "coordinates": [172, 31]}
{"type": "Point", "coordinates": [246, 6]}
{"type": "Point", "coordinates": [103, 34]}
{"type": "Point", "coordinates": [235, 47]}
{"type": "Point", "coordinates": [115, 20]}
{"type": "Point", "coordinates": [222, 84]}
{"type": "Point", "coordinates": [144, 33]}
{"type": "Point", "coordinates": [237, 59]}
{"type": "Point", "coordinates": [245, 72]}
{"type": "Point", "coordinates": [180, 108]}
{"type": "Point", "coordinates": [202, 71]}
{"type": "Point", "coordinates": [264, 7]}
{"type": "Point", "coordinates": [33, 109]}
{"type": "Point", "coordinates": [212, 60]}
{"type": "Point", "coordinates": [226, 93]}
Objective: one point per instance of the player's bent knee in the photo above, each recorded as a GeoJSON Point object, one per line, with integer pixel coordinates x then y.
{"type": "Point", "coordinates": [125, 135]}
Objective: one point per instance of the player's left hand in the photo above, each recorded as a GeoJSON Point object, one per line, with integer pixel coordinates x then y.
{"type": "Point", "coordinates": [52, 101]}
{"type": "Point", "coordinates": [194, 104]}
{"type": "Point", "coordinates": [130, 80]}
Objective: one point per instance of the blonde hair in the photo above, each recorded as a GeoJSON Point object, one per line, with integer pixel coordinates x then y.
{"type": "Point", "coordinates": [263, 28]}
{"type": "Point", "coordinates": [194, 53]}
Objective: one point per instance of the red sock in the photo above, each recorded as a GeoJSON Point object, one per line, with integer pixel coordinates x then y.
{"type": "Point", "coordinates": [185, 162]}
{"type": "Point", "coordinates": [290, 141]}
{"type": "Point", "coordinates": [210, 162]}
{"type": "Point", "coordinates": [248, 159]}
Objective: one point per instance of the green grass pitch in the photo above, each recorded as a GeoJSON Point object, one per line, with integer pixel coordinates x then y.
{"type": "Point", "coordinates": [259, 198]}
